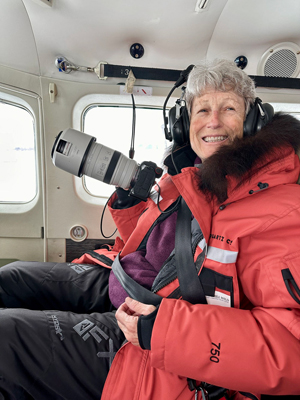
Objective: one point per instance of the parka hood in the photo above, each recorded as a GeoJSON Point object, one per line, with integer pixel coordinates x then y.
{"type": "Point", "coordinates": [246, 157]}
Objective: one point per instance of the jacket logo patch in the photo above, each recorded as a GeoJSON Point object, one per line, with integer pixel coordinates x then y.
{"type": "Point", "coordinates": [79, 269]}
{"type": "Point", "coordinates": [57, 327]}
{"type": "Point", "coordinates": [86, 329]}
{"type": "Point", "coordinates": [221, 238]}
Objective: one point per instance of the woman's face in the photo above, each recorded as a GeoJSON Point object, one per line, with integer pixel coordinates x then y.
{"type": "Point", "coordinates": [216, 119]}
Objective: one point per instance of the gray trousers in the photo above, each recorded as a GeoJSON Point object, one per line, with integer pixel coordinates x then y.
{"type": "Point", "coordinates": [58, 332]}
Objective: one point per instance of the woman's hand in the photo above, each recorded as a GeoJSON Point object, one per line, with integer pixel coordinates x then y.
{"type": "Point", "coordinates": [127, 317]}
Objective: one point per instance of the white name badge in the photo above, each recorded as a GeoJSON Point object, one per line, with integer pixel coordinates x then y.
{"type": "Point", "coordinates": [219, 299]}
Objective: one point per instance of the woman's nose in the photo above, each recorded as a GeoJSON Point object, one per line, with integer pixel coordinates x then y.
{"type": "Point", "coordinates": [214, 120]}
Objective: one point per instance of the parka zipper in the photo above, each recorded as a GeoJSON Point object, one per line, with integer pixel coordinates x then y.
{"type": "Point", "coordinates": [165, 282]}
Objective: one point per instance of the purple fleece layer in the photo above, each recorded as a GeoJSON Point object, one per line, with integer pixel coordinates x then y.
{"type": "Point", "coordinates": [144, 265]}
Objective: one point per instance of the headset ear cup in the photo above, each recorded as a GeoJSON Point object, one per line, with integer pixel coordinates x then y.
{"type": "Point", "coordinates": [179, 127]}
{"type": "Point", "coordinates": [255, 120]}
{"type": "Point", "coordinates": [171, 122]}
{"type": "Point", "coordinates": [186, 125]}
{"type": "Point", "coordinates": [251, 121]}
{"type": "Point", "coordinates": [269, 114]}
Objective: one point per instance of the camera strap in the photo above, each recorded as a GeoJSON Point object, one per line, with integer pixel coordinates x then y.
{"type": "Point", "coordinates": [190, 285]}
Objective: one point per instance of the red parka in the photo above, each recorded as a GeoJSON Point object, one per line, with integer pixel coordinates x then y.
{"type": "Point", "coordinates": [247, 339]}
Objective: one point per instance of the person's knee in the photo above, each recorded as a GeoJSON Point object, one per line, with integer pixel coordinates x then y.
{"type": "Point", "coordinates": [8, 322]}
{"type": "Point", "coordinates": [24, 336]}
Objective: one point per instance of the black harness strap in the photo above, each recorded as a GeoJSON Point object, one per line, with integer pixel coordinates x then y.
{"type": "Point", "coordinates": [190, 285]}
{"type": "Point", "coordinates": [134, 289]}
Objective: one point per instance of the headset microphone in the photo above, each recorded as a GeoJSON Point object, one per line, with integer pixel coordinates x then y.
{"type": "Point", "coordinates": [183, 76]}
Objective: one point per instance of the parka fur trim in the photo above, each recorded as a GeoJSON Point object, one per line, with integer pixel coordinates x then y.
{"type": "Point", "coordinates": [245, 157]}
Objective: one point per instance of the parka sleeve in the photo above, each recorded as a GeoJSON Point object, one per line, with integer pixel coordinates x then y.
{"type": "Point", "coordinates": [255, 350]}
{"type": "Point", "coordinates": [247, 351]}
{"type": "Point", "coordinates": [126, 218]}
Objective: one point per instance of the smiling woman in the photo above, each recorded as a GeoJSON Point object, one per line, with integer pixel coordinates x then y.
{"type": "Point", "coordinates": [245, 232]}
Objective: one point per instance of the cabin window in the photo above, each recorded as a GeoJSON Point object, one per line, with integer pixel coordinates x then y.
{"type": "Point", "coordinates": [18, 180]}
{"type": "Point", "coordinates": [112, 126]}
{"type": "Point", "coordinates": [289, 108]}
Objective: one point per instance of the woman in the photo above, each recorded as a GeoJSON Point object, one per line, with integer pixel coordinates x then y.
{"type": "Point", "coordinates": [246, 208]}
{"type": "Point", "coordinates": [241, 339]}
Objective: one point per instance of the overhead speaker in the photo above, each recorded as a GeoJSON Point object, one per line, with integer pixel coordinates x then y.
{"type": "Point", "coordinates": [281, 60]}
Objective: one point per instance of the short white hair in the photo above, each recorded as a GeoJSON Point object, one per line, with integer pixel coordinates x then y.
{"type": "Point", "coordinates": [219, 75]}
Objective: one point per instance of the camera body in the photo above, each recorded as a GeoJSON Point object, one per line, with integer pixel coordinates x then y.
{"type": "Point", "coordinates": [79, 154]}
{"type": "Point", "coordinates": [145, 178]}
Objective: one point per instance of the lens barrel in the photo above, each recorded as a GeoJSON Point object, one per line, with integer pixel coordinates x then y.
{"type": "Point", "coordinates": [79, 154]}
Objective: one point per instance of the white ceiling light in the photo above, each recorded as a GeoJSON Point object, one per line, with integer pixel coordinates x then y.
{"type": "Point", "coordinates": [44, 2]}
{"type": "Point", "coordinates": [201, 5]}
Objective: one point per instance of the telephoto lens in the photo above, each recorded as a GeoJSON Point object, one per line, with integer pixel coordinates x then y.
{"type": "Point", "coordinates": [79, 154]}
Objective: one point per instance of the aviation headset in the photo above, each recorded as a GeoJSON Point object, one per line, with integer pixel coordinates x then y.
{"type": "Point", "coordinates": [179, 123]}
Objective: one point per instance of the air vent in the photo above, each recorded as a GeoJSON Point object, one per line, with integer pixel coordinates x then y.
{"type": "Point", "coordinates": [201, 5]}
{"type": "Point", "coordinates": [281, 60]}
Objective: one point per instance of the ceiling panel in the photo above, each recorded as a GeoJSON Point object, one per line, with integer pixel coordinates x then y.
{"type": "Point", "coordinates": [173, 34]}
{"type": "Point", "coordinates": [249, 28]}
{"type": "Point", "coordinates": [86, 32]}
{"type": "Point", "coordinates": [17, 43]}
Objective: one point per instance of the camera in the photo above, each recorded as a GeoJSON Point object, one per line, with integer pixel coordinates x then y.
{"type": "Point", "coordinates": [79, 154]}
